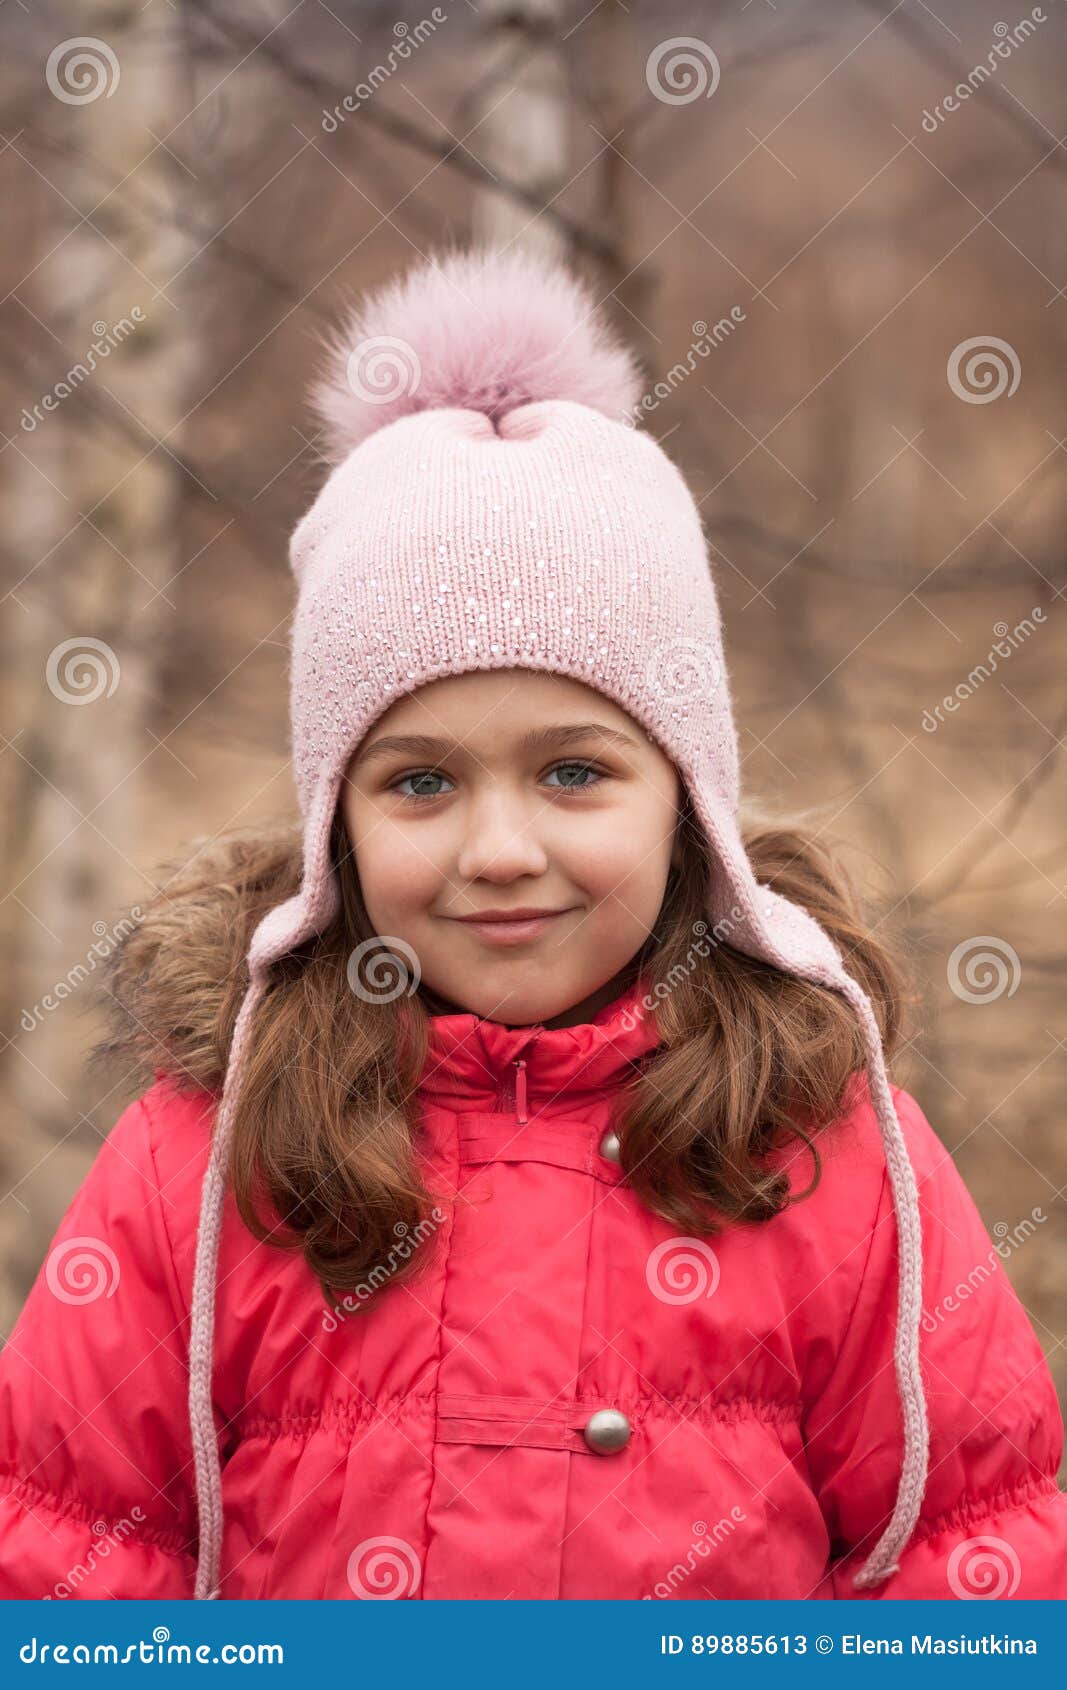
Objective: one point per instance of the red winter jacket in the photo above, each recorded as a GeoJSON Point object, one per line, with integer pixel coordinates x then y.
{"type": "Point", "coordinates": [570, 1402]}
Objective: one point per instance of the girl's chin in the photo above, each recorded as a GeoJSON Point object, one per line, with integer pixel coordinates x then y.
{"type": "Point", "coordinates": [505, 1007]}
{"type": "Point", "coordinates": [437, 1004]}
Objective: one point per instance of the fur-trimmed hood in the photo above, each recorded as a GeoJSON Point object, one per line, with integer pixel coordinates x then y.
{"type": "Point", "coordinates": [174, 983]}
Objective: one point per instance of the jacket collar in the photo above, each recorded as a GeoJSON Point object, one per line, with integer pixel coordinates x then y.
{"type": "Point", "coordinates": [478, 1060]}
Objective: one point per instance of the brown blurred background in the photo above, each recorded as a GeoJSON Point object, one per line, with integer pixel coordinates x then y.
{"type": "Point", "coordinates": [846, 284]}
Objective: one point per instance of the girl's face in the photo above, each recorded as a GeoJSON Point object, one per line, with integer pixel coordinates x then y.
{"type": "Point", "coordinates": [513, 791]}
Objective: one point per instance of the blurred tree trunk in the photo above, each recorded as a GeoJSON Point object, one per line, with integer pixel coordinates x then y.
{"type": "Point", "coordinates": [98, 525]}
{"type": "Point", "coordinates": [612, 85]}
{"type": "Point", "coordinates": [523, 131]}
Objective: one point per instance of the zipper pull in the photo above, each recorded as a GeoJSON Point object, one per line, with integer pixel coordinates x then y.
{"type": "Point", "coordinates": [520, 1090]}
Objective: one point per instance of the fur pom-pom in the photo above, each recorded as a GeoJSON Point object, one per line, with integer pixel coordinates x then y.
{"type": "Point", "coordinates": [474, 328]}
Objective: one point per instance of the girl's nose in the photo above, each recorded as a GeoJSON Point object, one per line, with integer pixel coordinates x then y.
{"type": "Point", "coordinates": [501, 842]}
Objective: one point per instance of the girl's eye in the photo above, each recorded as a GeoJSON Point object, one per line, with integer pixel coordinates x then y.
{"type": "Point", "coordinates": [419, 777]}
{"type": "Point", "coordinates": [422, 776]}
{"type": "Point", "coordinates": [582, 769]}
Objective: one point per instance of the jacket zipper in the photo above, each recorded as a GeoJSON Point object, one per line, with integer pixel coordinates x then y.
{"type": "Point", "coordinates": [512, 1094]}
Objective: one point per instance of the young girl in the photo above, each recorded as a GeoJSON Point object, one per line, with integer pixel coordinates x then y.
{"type": "Point", "coordinates": [520, 1207]}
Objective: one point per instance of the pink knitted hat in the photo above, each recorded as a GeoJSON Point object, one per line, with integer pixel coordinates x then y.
{"type": "Point", "coordinates": [490, 507]}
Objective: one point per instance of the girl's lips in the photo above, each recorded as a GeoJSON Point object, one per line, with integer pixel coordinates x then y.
{"type": "Point", "coordinates": [513, 932]}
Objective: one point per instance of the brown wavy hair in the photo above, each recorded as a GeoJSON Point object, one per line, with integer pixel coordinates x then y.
{"type": "Point", "coordinates": [750, 1058]}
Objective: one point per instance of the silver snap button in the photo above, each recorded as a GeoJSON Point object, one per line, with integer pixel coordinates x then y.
{"type": "Point", "coordinates": [606, 1430]}
{"type": "Point", "coordinates": [609, 1146]}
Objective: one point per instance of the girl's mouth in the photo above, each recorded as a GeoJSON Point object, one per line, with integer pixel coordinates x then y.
{"type": "Point", "coordinates": [514, 932]}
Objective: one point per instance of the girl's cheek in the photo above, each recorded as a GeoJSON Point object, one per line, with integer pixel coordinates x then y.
{"type": "Point", "coordinates": [394, 871]}
{"type": "Point", "coordinates": [620, 851]}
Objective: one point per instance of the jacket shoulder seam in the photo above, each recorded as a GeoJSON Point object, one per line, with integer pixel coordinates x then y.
{"type": "Point", "coordinates": [862, 1279]}
{"type": "Point", "coordinates": [178, 1303]}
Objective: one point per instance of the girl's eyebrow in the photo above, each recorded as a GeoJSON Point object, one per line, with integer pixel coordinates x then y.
{"type": "Point", "coordinates": [425, 745]}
